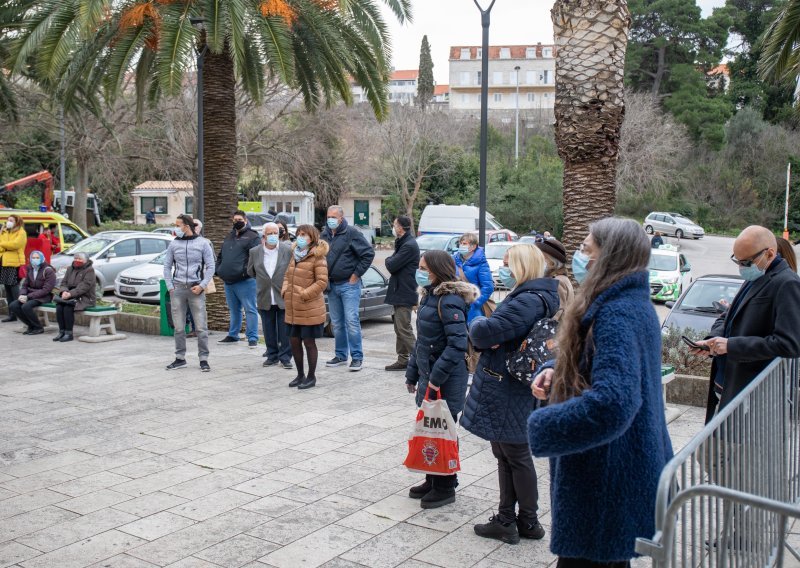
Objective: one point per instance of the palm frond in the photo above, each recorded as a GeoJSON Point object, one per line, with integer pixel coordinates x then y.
{"type": "Point", "coordinates": [175, 48]}
{"type": "Point", "coordinates": [780, 59]}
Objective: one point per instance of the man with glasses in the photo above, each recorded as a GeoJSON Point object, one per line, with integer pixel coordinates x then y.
{"type": "Point", "coordinates": [762, 322]}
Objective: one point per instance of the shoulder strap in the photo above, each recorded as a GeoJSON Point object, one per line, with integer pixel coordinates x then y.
{"type": "Point", "coordinates": [547, 310]}
{"type": "Point", "coordinates": [439, 309]}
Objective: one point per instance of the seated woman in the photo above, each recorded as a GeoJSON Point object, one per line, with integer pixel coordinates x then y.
{"type": "Point", "coordinates": [75, 293]}
{"type": "Point", "coordinates": [36, 289]}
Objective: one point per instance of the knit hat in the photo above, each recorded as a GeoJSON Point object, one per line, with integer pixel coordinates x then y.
{"type": "Point", "coordinates": [553, 249]}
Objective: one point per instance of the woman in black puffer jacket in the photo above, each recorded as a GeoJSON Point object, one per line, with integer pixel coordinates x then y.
{"type": "Point", "coordinates": [438, 359]}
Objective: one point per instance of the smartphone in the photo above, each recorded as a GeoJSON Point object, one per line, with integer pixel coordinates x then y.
{"type": "Point", "coordinates": [694, 345]}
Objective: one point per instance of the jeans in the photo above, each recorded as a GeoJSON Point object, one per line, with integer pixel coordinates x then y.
{"type": "Point", "coordinates": [183, 299]}
{"type": "Point", "coordinates": [404, 343]}
{"type": "Point", "coordinates": [517, 478]}
{"type": "Point", "coordinates": [238, 296]}
{"type": "Point", "coordinates": [343, 304]}
{"type": "Point", "coordinates": [275, 334]}
{"type": "Point", "coordinates": [25, 312]}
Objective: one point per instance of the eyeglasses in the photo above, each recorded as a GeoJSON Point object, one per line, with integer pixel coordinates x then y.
{"type": "Point", "coordinates": [747, 263]}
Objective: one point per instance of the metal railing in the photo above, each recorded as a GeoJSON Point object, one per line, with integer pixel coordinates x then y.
{"type": "Point", "coordinates": [725, 498]}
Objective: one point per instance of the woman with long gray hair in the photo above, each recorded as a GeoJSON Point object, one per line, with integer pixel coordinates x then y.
{"type": "Point", "coordinates": [604, 428]}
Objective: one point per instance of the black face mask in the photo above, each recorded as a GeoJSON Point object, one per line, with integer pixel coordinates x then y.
{"type": "Point", "coordinates": [239, 225]}
{"type": "Point", "coordinates": [281, 233]}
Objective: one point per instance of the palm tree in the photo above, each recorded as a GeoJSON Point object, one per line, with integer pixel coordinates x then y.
{"type": "Point", "coordinates": [315, 46]}
{"type": "Point", "coordinates": [780, 59]}
{"type": "Point", "coordinates": [591, 37]}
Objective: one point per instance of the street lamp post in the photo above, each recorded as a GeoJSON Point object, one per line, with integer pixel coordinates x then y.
{"type": "Point", "coordinates": [62, 167]}
{"type": "Point", "coordinates": [201, 55]}
{"type": "Point", "coordinates": [485, 21]}
{"type": "Point", "coordinates": [516, 121]}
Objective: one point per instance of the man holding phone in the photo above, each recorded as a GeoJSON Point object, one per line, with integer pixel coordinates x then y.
{"type": "Point", "coordinates": [761, 323]}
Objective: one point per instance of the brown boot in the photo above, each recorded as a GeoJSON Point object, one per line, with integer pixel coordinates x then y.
{"type": "Point", "coordinates": [397, 366]}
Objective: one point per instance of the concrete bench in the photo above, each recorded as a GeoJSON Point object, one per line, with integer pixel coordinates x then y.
{"type": "Point", "coordinates": [667, 376]}
{"type": "Point", "coordinates": [101, 322]}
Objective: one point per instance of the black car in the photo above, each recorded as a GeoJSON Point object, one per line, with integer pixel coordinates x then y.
{"type": "Point", "coordinates": [703, 302]}
{"type": "Point", "coordinates": [374, 285]}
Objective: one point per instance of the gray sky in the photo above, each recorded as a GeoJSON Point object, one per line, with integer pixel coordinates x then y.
{"type": "Point", "coordinates": [457, 22]}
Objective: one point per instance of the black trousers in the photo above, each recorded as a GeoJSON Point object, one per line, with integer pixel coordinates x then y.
{"type": "Point", "coordinates": [517, 478]}
{"type": "Point", "coordinates": [66, 317]}
{"type": "Point", "coordinates": [25, 312]}
{"type": "Point", "coordinates": [583, 563]}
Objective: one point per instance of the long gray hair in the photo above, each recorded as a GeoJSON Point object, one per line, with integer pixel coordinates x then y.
{"type": "Point", "coordinates": [624, 249]}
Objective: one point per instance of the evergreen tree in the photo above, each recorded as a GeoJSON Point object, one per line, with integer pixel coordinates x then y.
{"type": "Point", "coordinates": [425, 81]}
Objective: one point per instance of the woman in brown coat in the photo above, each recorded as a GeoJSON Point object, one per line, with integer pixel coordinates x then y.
{"type": "Point", "coordinates": [76, 292]}
{"type": "Point", "coordinates": [303, 288]}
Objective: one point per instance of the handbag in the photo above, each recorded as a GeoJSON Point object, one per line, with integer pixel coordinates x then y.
{"type": "Point", "coordinates": [538, 347]}
{"type": "Point", "coordinates": [211, 288]}
{"type": "Point", "coordinates": [59, 300]}
{"type": "Point", "coordinates": [433, 444]}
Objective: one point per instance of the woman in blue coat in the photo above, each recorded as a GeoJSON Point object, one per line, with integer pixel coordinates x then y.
{"type": "Point", "coordinates": [473, 266]}
{"type": "Point", "coordinates": [498, 405]}
{"type": "Point", "coordinates": [604, 428]}
{"type": "Point", "coordinates": [438, 358]}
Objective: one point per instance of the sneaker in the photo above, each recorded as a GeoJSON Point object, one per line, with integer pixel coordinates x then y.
{"type": "Point", "coordinates": [436, 498]}
{"type": "Point", "coordinates": [252, 344]}
{"type": "Point", "coordinates": [229, 339]}
{"type": "Point", "coordinates": [336, 362]}
{"type": "Point", "coordinates": [498, 530]}
{"type": "Point", "coordinates": [287, 365]}
{"type": "Point", "coordinates": [355, 365]}
{"type": "Point", "coordinates": [533, 530]}
{"type": "Point", "coordinates": [204, 366]}
{"type": "Point", "coordinates": [177, 364]}
{"type": "Point", "coordinates": [397, 366]}
{"type": "Point", "coordinates": [270, 363]}
{"type": "Point", "coordinates": [419, 491]}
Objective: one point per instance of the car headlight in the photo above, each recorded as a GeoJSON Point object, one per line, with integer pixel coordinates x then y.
{"type": "Point", "coordinates": [152, 280]}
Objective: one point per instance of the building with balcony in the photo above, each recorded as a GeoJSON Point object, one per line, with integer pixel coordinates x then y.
{"type": "Point", "coordinates": [402, 88]}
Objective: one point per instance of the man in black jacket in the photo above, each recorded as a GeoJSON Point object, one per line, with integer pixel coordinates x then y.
{"type": "Point", "coordinates": [402, 293]}
{"type": "Point", "coordinates": [240, 287]}
{"type": "Point", "coordinates": [761, 323]}
{"type": "Point", "coordinates": [349, 258]}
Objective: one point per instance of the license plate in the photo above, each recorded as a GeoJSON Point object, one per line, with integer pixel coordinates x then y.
{"type": "Point", "coordinates": [127, 290]}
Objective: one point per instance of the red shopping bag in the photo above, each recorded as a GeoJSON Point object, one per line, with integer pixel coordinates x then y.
{"type": "Point", "coordinates": [433, 445]}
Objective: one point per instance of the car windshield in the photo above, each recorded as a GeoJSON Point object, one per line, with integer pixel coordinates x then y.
{"type": "Point", "coordinates": [89, 246]}
{"type": "Point", "coordinates": [433, 242]}
{"type": "Point", "coordinates": [663, 263]}
{"type": "Point", "coordinates": [498, 251]}
{"type": "Point", "coordinates": [159, 259]}
{"type": "Point", "coordinates": [702, 295]}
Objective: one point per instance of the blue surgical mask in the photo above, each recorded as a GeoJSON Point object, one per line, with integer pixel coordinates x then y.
{"type": "Point", "coordinates": [423, 277]}
{"type": "Point", "coordinates": [302, 243]}
{"type": "Point", "coordinates": [36, 261]}
{"type": "Point", "coordinates": [272, 240]}
{"type": "Point", "coordinates": [504, 273]}
{"type": "Point", "coordinates": [333, 223]}
{"type": "Point", "coordinates": [463, 250]}
{"type": "Point", "coordinates": [580, 266]}
{"type": "Point", "coordinates": [752, 272]}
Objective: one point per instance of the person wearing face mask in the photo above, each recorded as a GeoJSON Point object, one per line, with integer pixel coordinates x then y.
{"type": "Point", "coordinates": [604, 428]}
{"type": "Point", "coordinates": [402, 293]}
{"type": "Point", "coordinates": [498, 405]}
{"type": "Point", "coordinates": [240, 287]}
{"type": "Point", "coordinates": [283, 231]}
{"type": "Point", "coordinates": [303, 293]}
{"type": "Point", "coordinates": [13, 240]}
{"type": "Point", "coordinates": [75, 293]}
{"type": "Point", "coordinates": [474, 268]}
{"type": "Point", "coordinates": [349, 257]}
{"type": "Point", "coordinates": [761, 323]}
{"type": "Point", "coordinates": [268, 264]}
{"type": "Point", "coordinates": [555, 255]}
{"type": "Point", "coordinates": [36, 289]}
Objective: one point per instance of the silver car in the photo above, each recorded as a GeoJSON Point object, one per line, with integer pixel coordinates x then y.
{"type": "Point", "coordinates": [112, 252]}
{"type": "Point", "coordinates": [672, 224]}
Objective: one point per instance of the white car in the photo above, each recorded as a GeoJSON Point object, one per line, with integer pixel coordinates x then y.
{"type": "Point", "coordinates": [141, 283]}
{"type": "Point", "coordinates": [494, 256]}
{"type": "Point", "coordinates": [670, 273]}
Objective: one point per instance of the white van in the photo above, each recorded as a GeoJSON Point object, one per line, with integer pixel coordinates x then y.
{"type": "Point", "coordinates": [454, 219]}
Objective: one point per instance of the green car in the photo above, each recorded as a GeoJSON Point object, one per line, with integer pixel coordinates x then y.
{"type": "Point", "coordinates": [670, 273]}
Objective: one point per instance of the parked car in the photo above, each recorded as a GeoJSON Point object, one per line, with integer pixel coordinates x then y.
{"type": "Point", "coordinates": [166, 231]}
{"type": "Point", "coordinates": [672, 224]}
{"type": "Point", "coordinates": [494, 256]}
{"type": "Point", "coordinates": [374, 285]}
{"type": "Point", "coordinates": [141, 283]}
{"type": "Point", "coordinates": [112, 252]}
{"type": "Point", "coordinates": [445, 242]}
{"type": "Point", "coordinates": [670, 273]}
{"type": "Point", "coordinates": [450, 219]}
{"type": "Point", "coordinates": [703, 302]}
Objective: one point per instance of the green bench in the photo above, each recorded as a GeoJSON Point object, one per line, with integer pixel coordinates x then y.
{"type": "Point", "coordinates": [101, 322]}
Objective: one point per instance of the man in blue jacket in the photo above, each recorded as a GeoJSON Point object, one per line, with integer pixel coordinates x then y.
{"type": "Point", "coordinates": [349, 257]}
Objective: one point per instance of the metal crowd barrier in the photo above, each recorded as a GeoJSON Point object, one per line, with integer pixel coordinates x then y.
{"type": "Point", "coordinates": [725, 499]}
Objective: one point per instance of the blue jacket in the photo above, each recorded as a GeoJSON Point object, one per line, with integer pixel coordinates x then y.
{"type": "Point", "coordinates": [441, 345]}
{"type": "Point", "coordinates": [497, 409]}
{"type": "Point", "coordinates": [608, 445]}
{"type": "Point", "coordinates": [476, 270]}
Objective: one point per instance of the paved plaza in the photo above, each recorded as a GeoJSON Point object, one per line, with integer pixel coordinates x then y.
{"type": "Point", "coordinates": [106, 459]}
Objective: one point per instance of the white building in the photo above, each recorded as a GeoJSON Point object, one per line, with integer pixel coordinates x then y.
{"type": "Point", "coordinates": [167, 198]}
{"type": "Point", "coordinates": [402, 88]}
{"type": "Point", "coordinates": [533, 66]}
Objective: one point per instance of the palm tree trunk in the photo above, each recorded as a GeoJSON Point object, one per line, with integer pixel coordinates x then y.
{"type": "Point", "coordinates": [221, 172]}
{"type": "Point", "coordinates": [591, 38]}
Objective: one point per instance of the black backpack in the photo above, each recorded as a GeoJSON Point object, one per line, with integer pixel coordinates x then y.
{"type": "Point", "coordinates": [536, 349]}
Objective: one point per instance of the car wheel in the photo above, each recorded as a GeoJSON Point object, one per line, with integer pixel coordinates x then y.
{"type": "Point", "coordinates": [648, 229]}
{"type": "Point", "coordinates": [678, 234]}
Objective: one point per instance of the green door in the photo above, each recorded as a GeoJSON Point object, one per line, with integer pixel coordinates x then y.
{"type": "Point", "coordinates": [361, 210]}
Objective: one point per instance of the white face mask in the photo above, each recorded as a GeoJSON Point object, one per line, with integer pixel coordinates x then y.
{"type": "Point", "coordinates": [10, 223]}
